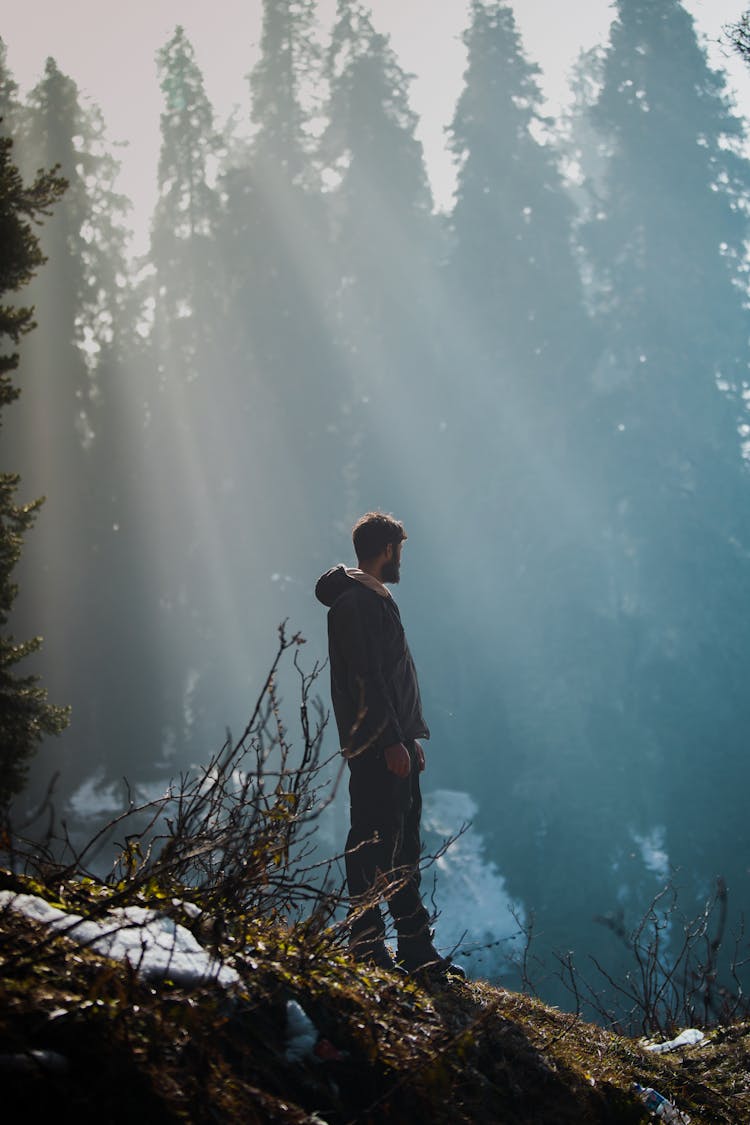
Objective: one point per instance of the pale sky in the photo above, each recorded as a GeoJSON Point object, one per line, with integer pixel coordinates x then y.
{"type": "Point", "coordinates": [109, 49]}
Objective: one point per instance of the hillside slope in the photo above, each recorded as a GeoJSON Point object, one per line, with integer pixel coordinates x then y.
{"type": "Point", "coordinates": [309, 1036]}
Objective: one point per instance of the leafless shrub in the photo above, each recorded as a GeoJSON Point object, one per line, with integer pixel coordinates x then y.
{"type": "Point", "coordinates": [680, 970]}
{"type": "Point", "coordinates": [236, 832]}
{"type": "Point", "coordinates": [527, 966]}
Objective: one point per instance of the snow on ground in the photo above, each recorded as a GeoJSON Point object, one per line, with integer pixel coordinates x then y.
{"type": "Point", "coordinates": [687, 1038]}
{"type": "Point", "coordinates": [156, 946]}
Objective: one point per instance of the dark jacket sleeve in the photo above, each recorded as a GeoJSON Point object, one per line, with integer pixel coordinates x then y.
{"type": "Point", "coordinates": [356, 634]}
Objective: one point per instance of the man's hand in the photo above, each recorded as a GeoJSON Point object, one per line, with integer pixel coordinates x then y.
{"type": "Point", "coordinates": [397, 759]}
{"type": "Point", "coordinates": [420, 756]}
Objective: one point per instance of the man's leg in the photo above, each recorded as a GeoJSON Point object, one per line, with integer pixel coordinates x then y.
{"type": "Point", "coordinates": [377, 801]}
{"type": "Point", "coordinates": [415, 948]}
{"type": "Point", "coordinates": [407, 909]}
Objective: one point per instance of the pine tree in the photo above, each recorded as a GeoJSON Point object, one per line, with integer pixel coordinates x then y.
{"type": "Point", "coordinates": [185, 447]}
{"type": "Point", "coordinates": [522, 342]}
{"type": "Point", "coordinates": [512, 264]}
{"type": "Point", "coordinates": [185, 286]}
{"type": "Point", "coordinates": [675, 167]}
{"type": "Point", "coordinates": [54, 126]}
{"type": "Point", "coordinates": [386, 247]}
{"type": "Point", "coordinates": [282, 87]}
{"type": "Point", "coordinates": [182, 249]}
{"type": "Point", "coordinates": [25, 715]}
{"type": "Point", "coordinates": [9, 104]}
{"type": "Point", "coordinates": [86, 241]}
{"type": "Point", "coordinates": [284, 378]}
{"type": "Point", "coordinates": [81, 304]}
{"type": "Point", "coordinates": [80, 298]}
{"type": "Point", "coordinates": [667, 250]}
{"type": "Point", "coordinates": [585, 151]}
{"type": "Point", "coordinates": [519, 332]}
{"type": "Point", "coordinates": [273, 233]}
{"type": "Point", "coordinates": [382, 205]}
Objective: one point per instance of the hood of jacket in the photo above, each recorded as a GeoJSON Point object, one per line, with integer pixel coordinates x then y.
{"type": "Point", "coordinates": [336, 581]}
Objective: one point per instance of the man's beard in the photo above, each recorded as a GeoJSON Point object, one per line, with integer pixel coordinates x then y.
{"type": "Point", "coordinates": [391, 571]}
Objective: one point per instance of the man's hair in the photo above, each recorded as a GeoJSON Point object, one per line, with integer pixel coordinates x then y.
{"type": "Point", "coordinates": [373, 532]}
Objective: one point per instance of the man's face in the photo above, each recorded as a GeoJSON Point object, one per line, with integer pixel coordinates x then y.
{"type": "Point", "coordinates": [392, 566]}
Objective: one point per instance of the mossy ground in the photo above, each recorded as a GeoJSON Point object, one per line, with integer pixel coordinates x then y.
{"type": "Point", "coordinates": [405, 1051]}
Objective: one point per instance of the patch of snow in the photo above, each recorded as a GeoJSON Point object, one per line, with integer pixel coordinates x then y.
{"type": "Point", "coordinates": [156, 946]}
{"type": "Point", "coordinates": [302, 1035]}
{"type": "Point", "coordinates": [688, 1038]}
{"type": "Point", "coordinates": [34, 1062]}
{"type": "Point", "coordinates": [188, 908]}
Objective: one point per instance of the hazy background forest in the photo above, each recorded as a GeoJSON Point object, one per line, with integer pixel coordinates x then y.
{"type": "Point", "coordinates": [547, 381]}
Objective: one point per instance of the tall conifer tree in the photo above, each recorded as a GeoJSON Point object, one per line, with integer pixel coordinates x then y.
{"type": "Point", "coordinates": [182, 236]}
{"type": "Point", "coordinates": [386, 248]}
{"type": "Point", "coordinates": [667, 247]}
{"type": "Point", "coordinates": [519, 333]}
{"type": "Point", "coordinates": [274, 240]}
{"type": "Point", "coordinates": [186, 448]}
{"type": "Point", "coordinates": [512, 263]}
{"type": "Point", "coordinates": [80, 303]}
{"type": "Point", "coordinates": [9, 104]}
{"type": "Point", "coordinates": [282, 80]}
{"type": "Point", "coordinates": [25, 715]}
{"type": "Point", "coordinates": [521, 340]}
{"type": "Point", "coordinates": [275, 246]}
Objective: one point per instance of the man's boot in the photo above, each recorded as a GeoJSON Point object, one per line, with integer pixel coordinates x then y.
{"type": "Point", "coordinates": [369, 950]}
{"type": "Point", "coordinates": [417, 954]}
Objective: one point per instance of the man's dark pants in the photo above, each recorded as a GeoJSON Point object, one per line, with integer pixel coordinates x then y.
{"type": "Point", "coordinates": [384, 840]}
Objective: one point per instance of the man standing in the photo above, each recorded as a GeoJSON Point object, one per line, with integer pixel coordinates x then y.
{"type": "Point", "coordinates": [378, 712]}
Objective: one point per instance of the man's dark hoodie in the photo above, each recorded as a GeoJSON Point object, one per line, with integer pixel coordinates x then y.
{"type": "Point", "coordinates": [374, 686]}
